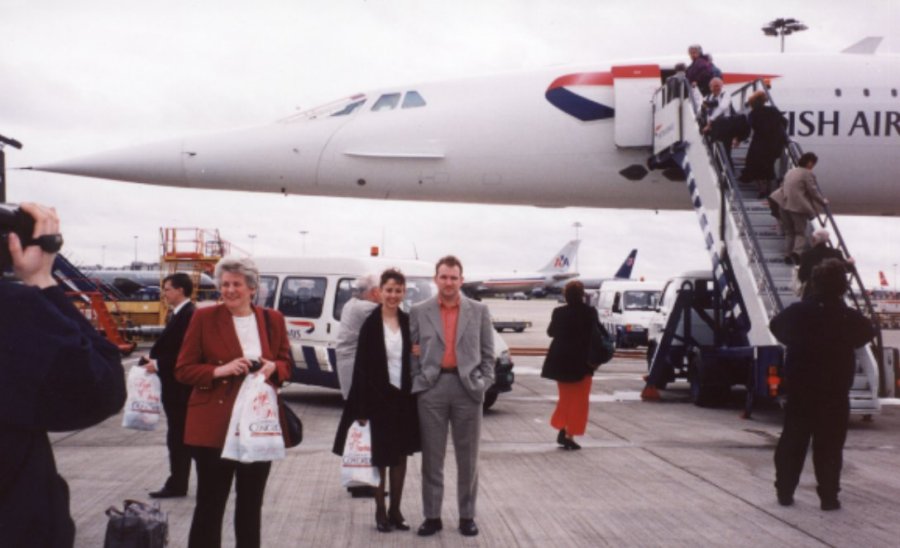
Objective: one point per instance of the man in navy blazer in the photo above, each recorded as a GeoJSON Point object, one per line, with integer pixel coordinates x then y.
{"type": "Point", "coordinates": [57, 373]}
{"type": "Point", "coordinates": [177, 289]}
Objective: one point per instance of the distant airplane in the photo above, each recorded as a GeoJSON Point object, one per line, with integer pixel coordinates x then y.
{"type": "Point", "coordinates": [624, 273]}
{"type": "Point", "coordinates": [553, 137]}
{"type": "Point", "coordinates": [558, 268]}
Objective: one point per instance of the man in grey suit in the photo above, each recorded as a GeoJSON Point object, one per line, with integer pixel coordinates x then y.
{"type": "Point", "coordinates": [354, 313]}
{"type": "Point", "coordinates": [450, 373]}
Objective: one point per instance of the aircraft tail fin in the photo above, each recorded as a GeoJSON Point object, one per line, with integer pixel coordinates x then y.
{"type": "Point", "coordinates": [624, 271]}
{"type": "Point", "coordinates": [564, 260]}
{"type": "Point", "coordinates": [866, 46]}
{"type": "Point", "coordinates": [882, 279]}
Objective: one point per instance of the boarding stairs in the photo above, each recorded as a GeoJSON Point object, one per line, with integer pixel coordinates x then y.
{"type": "Point", "coordinates": [744, 241]}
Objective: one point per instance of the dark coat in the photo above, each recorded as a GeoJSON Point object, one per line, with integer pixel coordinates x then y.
{"type": "Point", "coordinates": [814, 256]}
{"type": "Point", "coordinates": [392, 413]}
{"type": "Point", "coordinates": [56, 374]}
{"type": "Point", "coordinates": [165, 351]}
{"type": "Point", "coordinates": [700, 72]}
{"type": "Point", "coordinates": [766, 144]}
{"type": "Point", "coordinates": [570, 328]}
{"type": "Point", "coordinates": [211, 341]}
{"type": "Point", "coordinates": [821, 337]}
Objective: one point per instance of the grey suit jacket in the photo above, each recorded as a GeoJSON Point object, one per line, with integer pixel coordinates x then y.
{"type": "Point", "coordinates": [474, 346]}
{"type": "Point", "coordinates": [353, 315]}
{"type": "Point", "coordinates": [801, 193]}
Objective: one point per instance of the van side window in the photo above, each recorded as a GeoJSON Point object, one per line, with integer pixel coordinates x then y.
{"type": "Point", "coordinates": [345, 289]}
{"type": "Point", "coordinates": [617, 303]}
{"type": "Point", "coordinates": [388, 101]}
{"type": "Point", "coordinates": [302, 297]}
{"type": "Point", "coordinates": [265, 295]}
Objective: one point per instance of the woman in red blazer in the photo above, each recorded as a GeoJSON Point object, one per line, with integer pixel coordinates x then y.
{"type": "Point", "coordinates": [222, 345]}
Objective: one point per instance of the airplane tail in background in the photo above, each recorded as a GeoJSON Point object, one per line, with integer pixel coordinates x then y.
{"type": "Point", "coordinates": [624, 271]}
{"type": "Point", "coordinates": [882, 279]}
{"type": "Point", "coordinates": [564, 260]}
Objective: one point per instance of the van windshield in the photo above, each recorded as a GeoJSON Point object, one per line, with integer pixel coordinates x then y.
{"type": "Point", "coordinates": [641, 300]}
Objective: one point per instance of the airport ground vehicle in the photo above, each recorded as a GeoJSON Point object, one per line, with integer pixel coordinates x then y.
{"type": "Point", "coordinates": [513, 325]}
{"type": "Point", "coordinates": [625, 308]}
{"type": "Point", "coordinates": [311, 293]}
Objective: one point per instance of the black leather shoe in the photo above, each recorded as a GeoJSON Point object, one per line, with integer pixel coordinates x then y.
{"type": "Point", "coordinates": [166, 493]}
{"type": "Point", "coordinates": [561, 437]}
{"type": "Point", "coordinates": [430, 526]}
{"type": "Point", "coordinates": [383, 525]}
{"type": "Point", "coordinates": [571, 445]}
{"type": "Point", "coordinates": [468, 528]}
{"type": "Point", "coordinates": [830, 504]}
{"type": "Point", "coordinates": [785, 499]}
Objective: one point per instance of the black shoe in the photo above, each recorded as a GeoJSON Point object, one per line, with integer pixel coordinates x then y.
{"type": "Point", "coordinates": [363, 492]}
{"type": "Point", "coordinates": [467, 527]}
{"type": "Point", "coordinates": [166, 493]}
{"type": "Point", "coordinates": [830, 504]}
{"type": "Point", "coordinates": [788, 260]}
{"type": "Point", "coordinates": [785, 499]}
{"type": "Point", "coordinates": [383, 526]}
{"type": "Point", "coordinates": [561, 437]}
{"type": "Point", "coordinates": [430, 526]}
{"type": "Point", "coordinates": [571, 445]}
{"type": "Point", "coordinates": [795, 258]}
{"type": "Point", "coordinates": [398, 522]}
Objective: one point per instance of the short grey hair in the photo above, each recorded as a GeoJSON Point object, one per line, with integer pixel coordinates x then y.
{"type": "Point", "coordinates": [820, 236]}
{"type": "Point", "coordinates": [366, 283]}
{"type": "Point", "coordinates": [696, 47]}
{"type": "Point", "coordinates": [237, 265]}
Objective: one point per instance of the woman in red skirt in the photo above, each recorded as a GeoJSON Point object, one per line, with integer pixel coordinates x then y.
{"type": "Point", "coordinates": [567, 363]}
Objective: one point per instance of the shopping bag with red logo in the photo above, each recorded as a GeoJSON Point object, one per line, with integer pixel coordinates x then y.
{"type": "Point", "coordinates": [142, 407]}
{"type": "Point", "coordinates": [254, 432]}
{"type": "Point", "coordinates": [356, 463]}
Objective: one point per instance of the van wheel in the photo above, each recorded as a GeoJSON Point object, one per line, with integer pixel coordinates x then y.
{"type": "Point", "coordinates": [490, 398]}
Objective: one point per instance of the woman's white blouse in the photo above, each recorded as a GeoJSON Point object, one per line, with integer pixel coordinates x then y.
{"type": "Point", "coordinates": [248, 335]}
{"type": "Point", "coordinates": [393, 343]}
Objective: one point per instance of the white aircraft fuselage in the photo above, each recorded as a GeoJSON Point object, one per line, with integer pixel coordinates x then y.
{"type": "Point", "coordinates": [552, 138]}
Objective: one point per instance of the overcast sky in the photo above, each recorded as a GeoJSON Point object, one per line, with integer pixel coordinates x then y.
{"type": "Point", "coordinates": [87, 76]}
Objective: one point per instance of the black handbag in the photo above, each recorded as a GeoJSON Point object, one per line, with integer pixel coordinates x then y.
{"type": "Point", "coordinates": [293, 426]}
{"type": "Point", "coordinates": [137, 525]}
{"type": "Point", "coordinates": [602, 346]}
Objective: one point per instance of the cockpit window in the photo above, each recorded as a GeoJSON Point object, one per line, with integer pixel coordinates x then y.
{"type": "Point", "coordinates": [349, 108]}
{"type": "Point", "coordinates": [388, 101]}
{"type": "Point", "coordinates": [413, 100]}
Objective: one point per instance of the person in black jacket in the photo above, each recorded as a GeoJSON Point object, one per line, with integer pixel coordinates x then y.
{"type": "Point", "coordinates": [821, 334]}
{"type": "Point", "coordinates": [567, 363]}
{"type": "Point", "coordinates": [813, 256]}
{"type": "Point", "coordinates": [56, 374]}
{"type": "Point", "coordinates": [177, 289]}
{"type": "Point", "coordinates": [766, 144]}
{"type": "Point", "coordinates": [381, 394]}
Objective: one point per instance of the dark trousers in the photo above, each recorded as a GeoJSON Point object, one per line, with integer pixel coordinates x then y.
{"type": "Point", "coordinates": [828, 430]}
{"type": "Point", "coordinates": [214, 476]}
{"type": "Point", "coordinates": [174, 400]}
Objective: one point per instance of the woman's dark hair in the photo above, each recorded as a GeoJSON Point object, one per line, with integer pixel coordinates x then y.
{"type": "Point", "coordinates": [829, 278]}
{"type": "Point", "coordinates": [574, 292]}
{"type": "Point", "coordinates": [392, 274]}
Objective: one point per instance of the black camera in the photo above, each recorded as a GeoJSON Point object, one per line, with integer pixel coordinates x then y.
{"type": "Point", "coordinates": [711, 104]}
{"type": "Point", "coordinates": [13, 220]}
{"type": "Point", "coordinates": [255, 365]}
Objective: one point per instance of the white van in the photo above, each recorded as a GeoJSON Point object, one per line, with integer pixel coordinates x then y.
{"type": "Point", "coordinates": [702, 282]}
{"type": "Point", "coordinates": [625, 308]}
{"type": "Point", "coordinates": [311, 293]}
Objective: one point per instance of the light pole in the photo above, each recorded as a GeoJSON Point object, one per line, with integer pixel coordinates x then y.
{"type": "Point", "coordinates": [303, 234]}
{"type": "Point", "coordinates": [894, 281]}
{"type": "Point", "coordinates": [577, 226]}
{"type": "Point", "coordinates": [782, 27]}
{"type": "Point", "coordinates": [252, 243]}
{"type": "Point", "coordinates": [135, 249]}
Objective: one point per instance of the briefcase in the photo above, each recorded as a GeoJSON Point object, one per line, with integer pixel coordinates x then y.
{"type": "Point", "coordinates": [137, 525]}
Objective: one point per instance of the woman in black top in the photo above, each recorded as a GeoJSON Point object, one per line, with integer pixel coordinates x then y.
{"type": "Point", "coordinates": [567, 363]}
{"type": "Point", "coordinates": [381, 395]}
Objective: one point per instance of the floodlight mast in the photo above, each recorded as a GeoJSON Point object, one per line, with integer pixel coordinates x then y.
{"type": "Point", "coordinates": [782, 27]}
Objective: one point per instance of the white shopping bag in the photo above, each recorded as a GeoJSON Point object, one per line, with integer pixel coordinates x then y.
{"type": "Point", "coordinates": [356, 464]}
{"type": "Point", "coordinates": [142, 407]}
{"type": "Point", "coordinates": [254, 432]}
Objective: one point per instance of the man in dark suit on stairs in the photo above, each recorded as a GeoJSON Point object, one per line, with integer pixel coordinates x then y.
{"type": "Point", "coordinates": [177, 290]}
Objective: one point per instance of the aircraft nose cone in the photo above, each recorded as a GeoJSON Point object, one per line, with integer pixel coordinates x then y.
{"type": "Point", "coordinates": [155, 163]}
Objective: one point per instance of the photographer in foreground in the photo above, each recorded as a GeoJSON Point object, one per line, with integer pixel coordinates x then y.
{"type": "Point", "coordinates": [56, 374]}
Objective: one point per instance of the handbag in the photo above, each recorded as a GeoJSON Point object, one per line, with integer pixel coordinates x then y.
{"type": "Point", "coordinates": [291, 423]}
{"type": "Point", "coordinates": [137, 524]}
{"type": "Point", "coordinates": [602, 347]}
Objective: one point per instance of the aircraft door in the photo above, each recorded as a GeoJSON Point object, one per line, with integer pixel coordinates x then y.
{"type": "Point", "coordinates": [634, 86]}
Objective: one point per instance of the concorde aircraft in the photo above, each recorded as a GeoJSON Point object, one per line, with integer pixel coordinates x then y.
{"type": "Point", "coordinates": [554, 137]}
